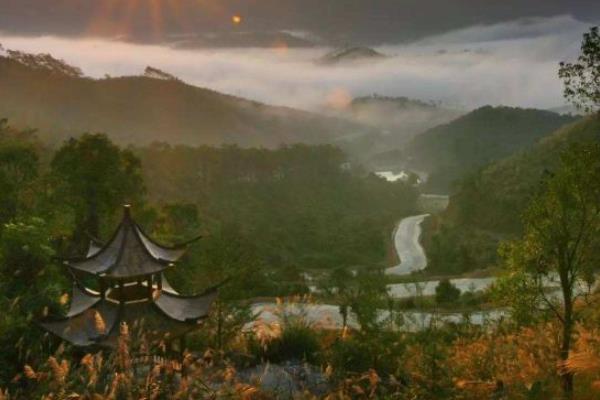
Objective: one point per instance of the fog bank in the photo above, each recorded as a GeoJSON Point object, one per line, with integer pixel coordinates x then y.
{"type": "Point", "coordinates": [513, 63]}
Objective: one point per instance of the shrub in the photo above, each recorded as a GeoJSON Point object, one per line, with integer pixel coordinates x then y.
{"type": "Point", "coordinates": [446, 292]}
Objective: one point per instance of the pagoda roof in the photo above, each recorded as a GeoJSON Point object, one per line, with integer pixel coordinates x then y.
{"type": "Point", "coordinates": [83, 329]}
{"type": "Point", "coordinates": [130, 253]}
{"type": "Point", "coordinates": [167, 314]}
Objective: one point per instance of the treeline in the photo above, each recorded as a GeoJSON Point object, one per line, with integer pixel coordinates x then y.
{"type": "Point", "coordinates": [489, 203]}
{"type": "Point", "coordinates": [300, 207]}
{"type": "Point", "coordinates": [452, 151]}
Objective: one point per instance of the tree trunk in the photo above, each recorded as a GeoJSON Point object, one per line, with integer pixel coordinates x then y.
{"type": "Point", "coordinates": [565, 348]}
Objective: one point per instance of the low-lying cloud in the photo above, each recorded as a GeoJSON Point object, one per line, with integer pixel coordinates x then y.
{"type": "Point", "coordinates": [513, 63]}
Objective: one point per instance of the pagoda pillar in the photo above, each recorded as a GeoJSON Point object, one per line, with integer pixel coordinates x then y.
{"type": "Point", "coordinates": [150, 289]}
{"type": "Point", "coordinates": [121, 294]}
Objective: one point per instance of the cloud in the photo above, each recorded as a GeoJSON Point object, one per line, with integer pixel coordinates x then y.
{"type": "Point", "coordinates": [513, 63]}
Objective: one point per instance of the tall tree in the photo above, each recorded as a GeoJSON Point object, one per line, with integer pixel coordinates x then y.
{"type": "Point", "coordinates": [560, 241]}
{"type": "Point", "coordinates": [582, 78]}
{"type": "Point", "coordinates": [18, 169]}
{"type": "Point", "coordinates": [94, 177]}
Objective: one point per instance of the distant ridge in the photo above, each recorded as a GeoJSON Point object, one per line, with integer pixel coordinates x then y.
{"type": "Point", "coordinates": [351, 55]}
{"type": "Point", "coordinates": [487, 134]}
{"type": "Point", "coordinates": [56, 99]}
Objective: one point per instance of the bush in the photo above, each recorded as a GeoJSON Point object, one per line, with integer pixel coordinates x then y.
{"type": "Point", "coordinates": [298, 341]}
{"type": "Point", "coordinates": [446, 292]}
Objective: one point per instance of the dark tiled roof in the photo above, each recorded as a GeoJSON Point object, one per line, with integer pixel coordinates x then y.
{"type": "Point", "coordinates": [81, 300]}
{"type": "Point", "coordinates": [186, 308]}
{"type": "Point", "coordinates": [129, 253]}
{"type": "Point", "coordinates": [83, 329]}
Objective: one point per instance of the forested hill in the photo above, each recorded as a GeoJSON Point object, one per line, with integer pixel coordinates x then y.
{"type": "Point", "coordinates": [495, 197]}
{"type": "Point", "coordinates": [141, 110]}
{"type": "Point", "coordinates": [489, 203]}
{"type": "Point", "coordinates": [450, 151]}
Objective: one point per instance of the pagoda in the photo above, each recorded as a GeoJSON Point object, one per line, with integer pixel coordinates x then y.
{"type": "Point", "coordinates": [129, 271]}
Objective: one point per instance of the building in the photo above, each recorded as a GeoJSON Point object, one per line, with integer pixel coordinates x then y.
{"type": "Point", "coordinates": [128, 273]}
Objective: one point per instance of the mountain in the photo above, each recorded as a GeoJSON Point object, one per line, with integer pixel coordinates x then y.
{"type": "Point", "coordinates": [39, 93]}
{"type": "Point", "coordinates": [495, 197]}
{"type": "Point", "coordinates": [396, 119]}
{"type": "Point", "coordinates": [566, 110]}
{"type": "Point", "coordinates": [450, 151]}
{"type": "Point", "coordinates": [351, 55]}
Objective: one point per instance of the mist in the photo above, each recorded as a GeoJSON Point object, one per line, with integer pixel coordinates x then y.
{"type": "Point", "coordinates": [513, 63]}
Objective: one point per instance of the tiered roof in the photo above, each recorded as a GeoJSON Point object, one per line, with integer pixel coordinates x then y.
{"type": "Point", "coordinates": [135, 291]}
{"type": "Point", "coordinates": [129, 253]}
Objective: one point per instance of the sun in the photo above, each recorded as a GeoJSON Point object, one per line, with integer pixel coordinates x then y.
{"type": "Point", "coordinates": [236, 19]}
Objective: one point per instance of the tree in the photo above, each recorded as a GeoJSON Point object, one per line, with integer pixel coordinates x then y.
{"type": "Point", "coordinates": [582, 78]}
{"type": "Point", "coordinates": [446, 292]}
{"type": "Point", "coordinates": [338, 284]}
{"type": "Point", "coordinates": [561, 239]}
{"type": "Point", "coordinates": [30, 287]}
{"type": "Point", "coordinates": [18, 169]}
{"type": "Point", "coordinates": [94, 177]}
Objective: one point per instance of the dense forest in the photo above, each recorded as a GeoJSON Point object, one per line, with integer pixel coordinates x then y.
{"type": "Point", "coordinates": [449, 152]}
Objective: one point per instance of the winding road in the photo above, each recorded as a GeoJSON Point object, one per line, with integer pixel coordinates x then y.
{"type": "Point", "coordinates": [410, 252]}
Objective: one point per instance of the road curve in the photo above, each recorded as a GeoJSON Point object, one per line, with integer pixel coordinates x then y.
{"type": "Point", "coordinates": [410, 252]}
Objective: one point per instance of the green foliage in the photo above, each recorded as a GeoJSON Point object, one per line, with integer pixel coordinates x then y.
{"type": "Point", "coordinates": [18, 170]}
{"type": "Point", "coordinates": [561, 238]}
{"type": "Point", "coordinates": [297, 208]}
{"type": "Point", "coordinates": [30, 287]}
{"type": "Point", "coordinates": [489, 204]}
{"type": "Point", "coordinates": [95, 177]}
{"type": "Point", "coordinates": [456, 249]}
{"type": "Point", "coordinates": [582, 79]}
{"type": "Point", "coordinates": [446, 292]}
{"type": "Point", "coordinates": [454, 150]}
{"type": "Point", "coordinates": [298, 341]}
{"type": "Point", "coordinates": [223, 326]}
{"type": "Point", "coordinates": [369, 295]}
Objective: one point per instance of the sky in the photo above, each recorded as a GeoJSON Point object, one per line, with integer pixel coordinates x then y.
{"type": "Point", "coordinates": [367, 22]}
{"type": "Point", "coordinates": [512, 63]}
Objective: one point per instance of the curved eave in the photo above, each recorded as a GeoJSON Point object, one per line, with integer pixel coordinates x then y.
{"type": "Point", "coordinates": [81, 300]}
{"type": "Point", "coordinates": [159, 251]}
{"type": "Point", "coordinates": [186, 308]}
{"type": "Point", "coordinates": [81, 330]}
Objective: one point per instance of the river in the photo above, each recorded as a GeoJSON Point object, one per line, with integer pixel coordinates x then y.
{"type": "Point", "coordinates": [412, 258]}
{"type": "Point", "coordinates": [406, 241]}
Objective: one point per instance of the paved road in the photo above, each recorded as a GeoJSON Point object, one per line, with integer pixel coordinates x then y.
{"type": "Point", "coordinates": [406, 239]}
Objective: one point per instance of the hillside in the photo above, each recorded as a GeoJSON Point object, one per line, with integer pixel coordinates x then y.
{"type": "Point", "coordinates": [142, 110]}
{"type": "Point", "coordinates": [401, 117]}
{"type": "Point", "coordinates": [495, 197]}
{"type": "Point", "coordinates": [448, 152]}
{"type": "Point", "coordinates": [488, 205]}
{"type": "Point", "coordinates": [395, 121]}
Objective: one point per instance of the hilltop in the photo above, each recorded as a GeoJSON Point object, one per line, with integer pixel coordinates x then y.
{"type": "Point", "coordinates": [503, 188]}
{"type": "Point", "coordinates": [60, 102]}
{"type": "Point", "coordinates": [450, 151]}
{"type": "Point", "coordinates": [351, 55]}
{"type": "Point", "coordinates": [488, 204]}
{"type": "Point", "coordinates": [395, 119]}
